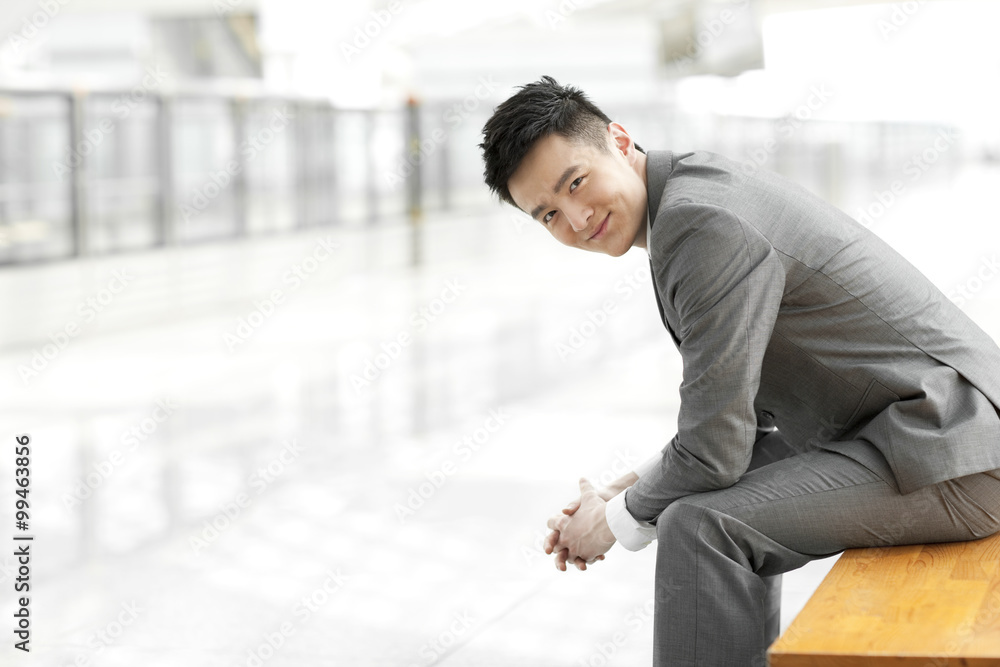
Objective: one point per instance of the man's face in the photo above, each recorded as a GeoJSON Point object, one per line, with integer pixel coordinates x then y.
{"type": "Point", "coordinates": [587, 198]}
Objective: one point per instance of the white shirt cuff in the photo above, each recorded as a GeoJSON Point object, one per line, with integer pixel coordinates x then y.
{"type": "Point", "coordinates": [631, 534]}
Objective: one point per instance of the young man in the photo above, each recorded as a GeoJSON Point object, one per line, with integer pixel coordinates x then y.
{"type": "Point", "coordinates": [789, 314]}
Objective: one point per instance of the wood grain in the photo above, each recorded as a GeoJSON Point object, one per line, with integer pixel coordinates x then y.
{"type": "Point", "coordinates": [932, 605]}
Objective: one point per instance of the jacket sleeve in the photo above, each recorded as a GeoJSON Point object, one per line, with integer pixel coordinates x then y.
{"type": "Point", "coordinates": [631, 534]}
{"type": "Point", "coordinates": [721, 282]}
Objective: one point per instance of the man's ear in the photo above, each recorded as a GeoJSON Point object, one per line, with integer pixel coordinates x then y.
{"type": "Point", "coordinates": [622, 140]}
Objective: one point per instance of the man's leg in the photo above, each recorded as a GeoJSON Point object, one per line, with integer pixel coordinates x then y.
{"type": "Point", "coordinates": [771, 446]}
{"type": "Point", "coordinates": [716, 550]}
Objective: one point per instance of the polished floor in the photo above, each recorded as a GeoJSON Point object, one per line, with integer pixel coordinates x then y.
{"type": "Point", "coordinates": [298, 450]}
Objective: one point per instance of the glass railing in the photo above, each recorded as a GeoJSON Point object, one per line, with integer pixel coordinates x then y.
{"type": "Point", "coordinates": [98, 172]}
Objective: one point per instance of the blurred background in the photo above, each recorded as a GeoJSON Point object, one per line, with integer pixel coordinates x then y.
{"type": "Point", "coordinates": [299, 392]}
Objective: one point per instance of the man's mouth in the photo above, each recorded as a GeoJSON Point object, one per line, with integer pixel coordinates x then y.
{"type": "Point", "coordinates": [601, 228]}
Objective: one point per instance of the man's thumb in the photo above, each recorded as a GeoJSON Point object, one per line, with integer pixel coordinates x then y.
{"type": "Point", "coordinates": [586, 486]}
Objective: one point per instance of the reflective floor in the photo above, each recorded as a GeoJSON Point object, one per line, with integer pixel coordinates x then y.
{"type": "Point", "coordinates": [299, 451]}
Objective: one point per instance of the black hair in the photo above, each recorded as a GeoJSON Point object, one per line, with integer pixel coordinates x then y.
{"type": "Point", "coordinates": [536, 111]}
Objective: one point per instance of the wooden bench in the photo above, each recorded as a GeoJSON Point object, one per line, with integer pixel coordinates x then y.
{"type": "Point", "coordinates": [931, 605]}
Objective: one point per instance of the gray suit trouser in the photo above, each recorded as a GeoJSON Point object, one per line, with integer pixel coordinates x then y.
{"type": "Point", "coordinates": [720, 554]}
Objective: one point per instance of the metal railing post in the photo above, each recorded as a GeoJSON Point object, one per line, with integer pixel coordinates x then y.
{"type": "Point", "coordinates": [166, 220]}
{"type": "Point", "coordinates": [78, 177]}
{"type": "Point", "coordinates": [238, 108]}
{"type": "Point", "coordinates": [371, 189]}
{"type": "Point", "coordinates": [414, 181]}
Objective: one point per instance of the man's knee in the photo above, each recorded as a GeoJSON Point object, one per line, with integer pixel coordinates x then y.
{"type": "Point", "coordinates": [681, 517]}
{"type": "Point", "coordinates": [696, 520]}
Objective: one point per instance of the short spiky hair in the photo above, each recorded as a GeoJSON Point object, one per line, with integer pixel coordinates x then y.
{"type": "Point", "coordinates": [534, 112]}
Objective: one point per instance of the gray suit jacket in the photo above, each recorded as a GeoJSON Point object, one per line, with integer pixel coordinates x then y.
{"type": "Point", "coordinates": [783, 306]}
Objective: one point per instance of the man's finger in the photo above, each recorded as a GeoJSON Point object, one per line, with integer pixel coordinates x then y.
{"type": "Point", "coordinates": [572, 507]}
{"type": "Point", "coordinates": [550, 541]}
{"type": "Point", "coordinates": [586, 486]}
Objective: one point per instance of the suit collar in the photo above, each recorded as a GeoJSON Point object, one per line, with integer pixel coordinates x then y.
{"type": "Point", "coordinates": [659, 164]}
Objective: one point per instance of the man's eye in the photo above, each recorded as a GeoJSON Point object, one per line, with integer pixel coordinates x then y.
{"type": "Point", "coordinates": [548, 216]}
{"type": "Point", "coordinates": [572, 186]}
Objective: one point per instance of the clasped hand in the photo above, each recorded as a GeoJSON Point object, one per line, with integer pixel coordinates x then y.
{"type": "Point", "coordinates": [580, 534]}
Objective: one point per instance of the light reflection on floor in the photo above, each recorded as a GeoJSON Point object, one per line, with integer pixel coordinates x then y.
{"type": "Point", "coordinates": [274, 507]}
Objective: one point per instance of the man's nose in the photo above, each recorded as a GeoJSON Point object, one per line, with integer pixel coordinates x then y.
{"type": "Point", "coordinates": [579, 216]}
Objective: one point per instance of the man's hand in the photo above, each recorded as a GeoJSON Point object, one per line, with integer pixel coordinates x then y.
{"type": "Point", "coordinates": [562, 555]}
{"type": "Point", "coordinates": [581, 534]}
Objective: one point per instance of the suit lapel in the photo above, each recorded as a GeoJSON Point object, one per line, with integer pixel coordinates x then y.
{"type": "Point", "coordinates": [659, 164]}
{"type": "Point", "coordinates": [659, 304]}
